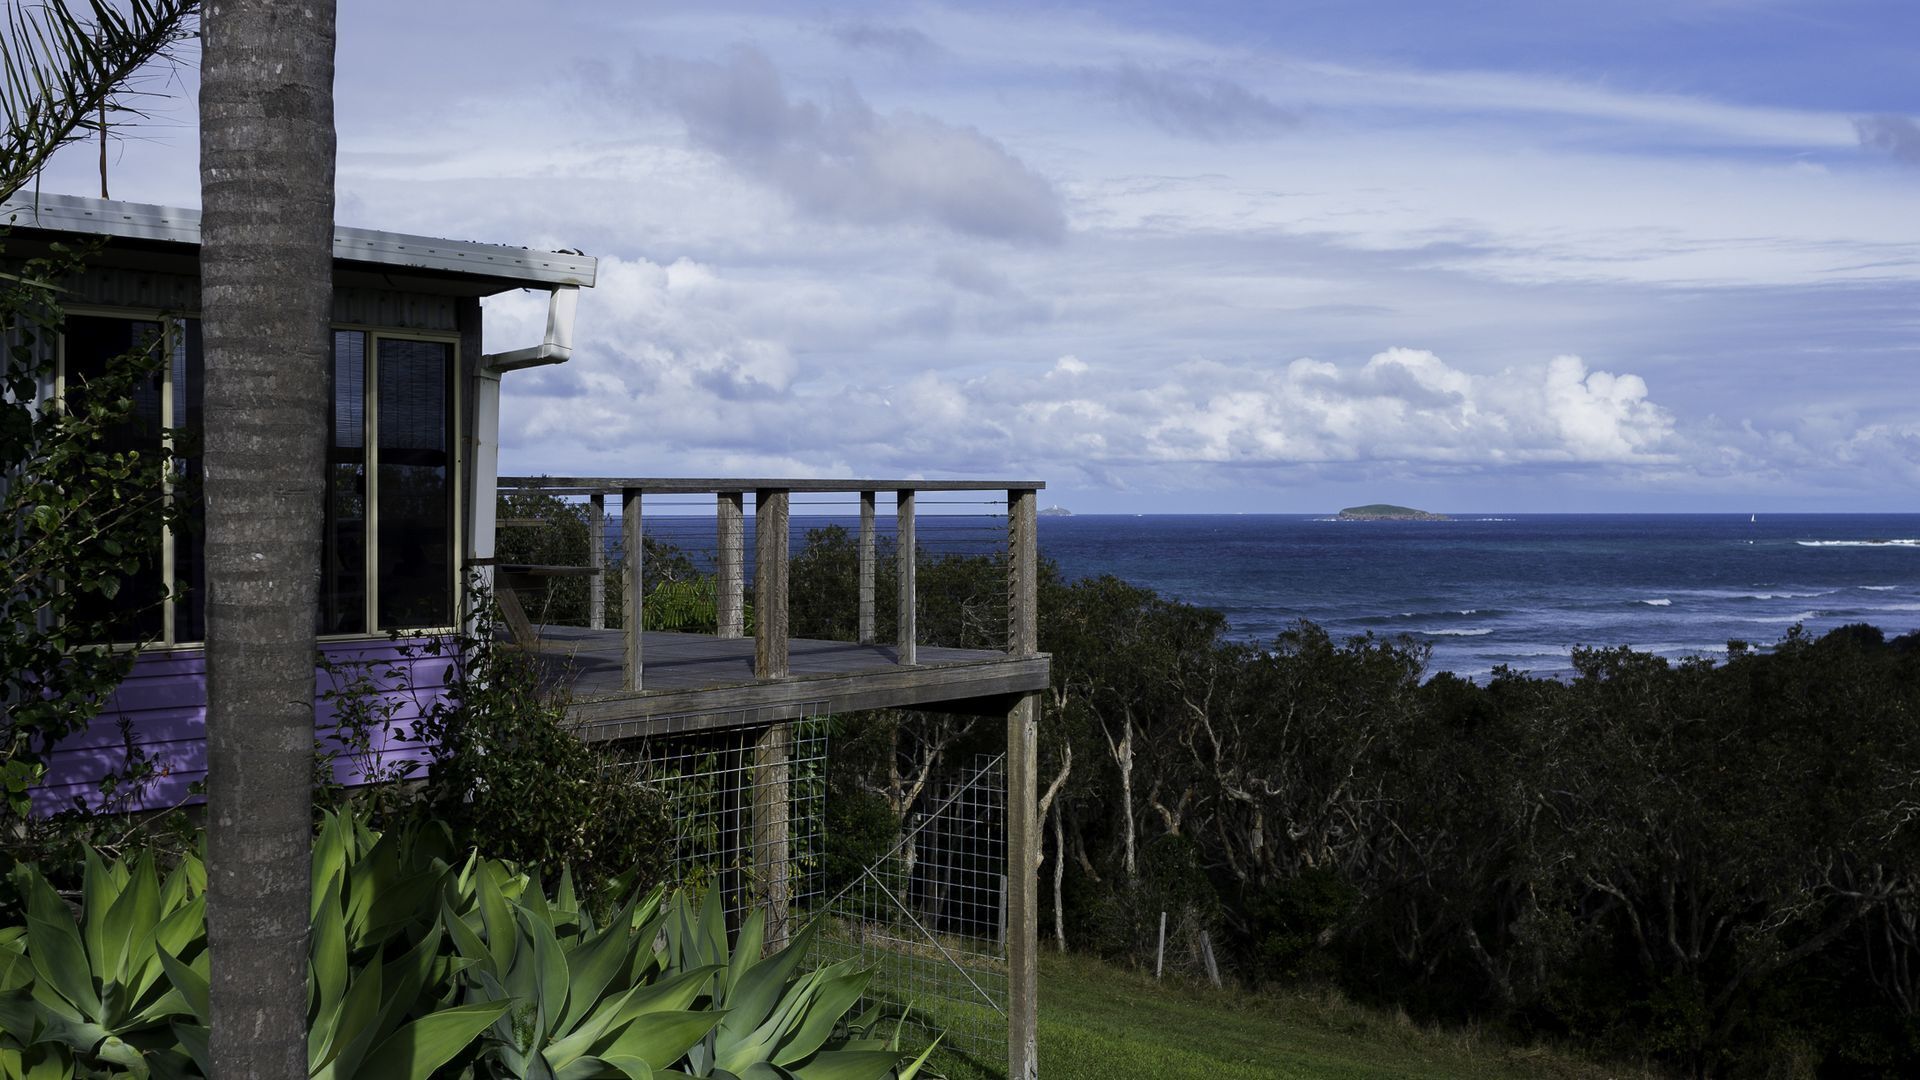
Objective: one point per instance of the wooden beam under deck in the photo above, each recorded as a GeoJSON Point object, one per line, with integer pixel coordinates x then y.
{"type": "Point", "coordinates": [697, 682]}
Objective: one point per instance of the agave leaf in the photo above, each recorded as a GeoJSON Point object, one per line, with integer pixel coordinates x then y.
{"type": "Point", "coordinates": [496, 919]}
{"type": "Point", "coordinates": [329, 857]}
{"type": "Point", "coordinates": [351, 1029]}
{"type": "Point", "coordinates": [757, 991]}
{"type": "Point", "coordinates": [65, 981]}
{"type": "Point", "coordinates": [913, 1067]}
{"type": "Point", "coordinates": [535, 901]}
{"type": "Point", "coordinates": [843, 1065]}
{"type": "Point", "coordinates": [632, 1068]}
{"type": "Point", "coordinates": [416, 1050]}
{"type": "Point", "coordinates": [193, 1039]}
{"type": "Point", "coordinates": [398, 905]}
{"type": "Point", "coordinates": [761, 1070]}
{"type": "Point", "coordinates": [327, 961]}
{"type": "Point", "coordinates": [17, 1015]}
{"type": "Point", "coordinates": [550, 971]}
{"type": "Point", "coordinates": [560, 1054]}
{"type": "Point", "coordinates": [130, 923]}
{"type": "Point", "coordinates": [564, 898]}
{"type": "Point", "coordinates": [650, 907]}
{"type": "Point", "coordinates": [672, 994]}
{"type": "Point", "coordinates": [713, 930]}
{"type": "Point", "coordinates": [97, 894]}
{"type": "Point", "coordinates": [186, 925]}
{"type": "Point", "coordinates": [746, 953]}
{"type": "Point", "coordinates": [831, 1001]}
{"type": "Point", "coordinates": [196, 868]}
{"type": "Point", "coordinates": [592, 965]}
{"type": "Point", "coordinates": [190, 982]}
{"type": "Point", "coordinates": [173, 891]}
{"type": "Point", "coordinates": [662, 1037]}
{"type": "Point", "coordinates": [467, 943]}
{"type": "Point", "coordinates": [409, 977]}
{"type": "Point", "coordinates": [115, 1052]}
{"type": "Point", "coordinates": [16, 970]}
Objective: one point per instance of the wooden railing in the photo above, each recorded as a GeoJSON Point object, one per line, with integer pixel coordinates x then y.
{"type": "Point", "coordinates": [772, 503]}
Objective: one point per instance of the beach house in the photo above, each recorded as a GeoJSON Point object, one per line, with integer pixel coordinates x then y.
{"type": "Point", "coordinates": [411, 482]}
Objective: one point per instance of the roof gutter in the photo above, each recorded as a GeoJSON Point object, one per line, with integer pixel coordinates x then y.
{"type": "Point", "coordinates": [562, 302]}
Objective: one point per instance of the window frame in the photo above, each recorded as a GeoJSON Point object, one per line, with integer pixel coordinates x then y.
{"type": "Point", "coordinates": [171, 332]}
{"type": "Point", "coordinates": [456, 478]}
{"type": "Point", "coordinates": [456, 434]}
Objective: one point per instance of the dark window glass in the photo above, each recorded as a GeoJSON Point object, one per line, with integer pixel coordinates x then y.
{"type": "Point", "coordinates": [91, 342]}
{"type": "Point", "coordinates": [343, 577]}
{"type": "Point", "coordinates": [189, 536]}
{"type": "Point", "coordinates": [415, 488]}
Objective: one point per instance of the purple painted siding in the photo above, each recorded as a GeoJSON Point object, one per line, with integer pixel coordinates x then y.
{"type": "Point", "coordinates": [164, 700]}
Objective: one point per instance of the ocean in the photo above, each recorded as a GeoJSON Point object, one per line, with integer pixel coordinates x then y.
{"type": "Point", "coordinates": [1519, 589]}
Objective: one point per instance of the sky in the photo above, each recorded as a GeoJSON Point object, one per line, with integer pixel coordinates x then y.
{"type": "Point", "coordinates": [1487, 255]}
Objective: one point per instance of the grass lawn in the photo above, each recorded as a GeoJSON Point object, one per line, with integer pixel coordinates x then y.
{"type": "Point", "coordinates": [1099, 1022]}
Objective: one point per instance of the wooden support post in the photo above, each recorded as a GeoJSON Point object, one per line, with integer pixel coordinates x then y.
{"type": "Point", "coordinates": [597, 559]}
{"type": "Point", "coordinates": [770, 583]}
{"type": "Point", "coordinates": [1023, 794]}
{"type": "Point", "coordinates": [867, 633]}
{"type": "Point", "coordinates": [772, 753]}
{"type": "Point", "coordinates": [632, 552]}
{"type": "Point", "coordinates": [1023, 572]}
{"type": "Point", "coordinates": [907, 559]}
{"type": "Point", "coordinates": [729, 599]}
{"type": "Point", "coordinates": [1023, 889]}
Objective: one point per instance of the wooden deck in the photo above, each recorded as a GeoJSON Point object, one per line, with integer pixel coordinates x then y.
{"type": "Point", "coordinates": [697, 682]}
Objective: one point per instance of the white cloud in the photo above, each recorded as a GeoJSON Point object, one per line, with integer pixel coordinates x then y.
{"type": "Point", "coordinates": [843, 160]}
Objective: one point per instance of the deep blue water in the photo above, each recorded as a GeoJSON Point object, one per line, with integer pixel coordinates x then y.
{"type": "Point", "coordinates": [1482, 589]}
{"type": "Point", "coordinates": [1518, 589]}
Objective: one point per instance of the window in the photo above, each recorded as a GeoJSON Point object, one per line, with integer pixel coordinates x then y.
{"type": "Point", "coordinates": [389, 540]}
{"type": "Point", "coordinates": [169, 399]}
{"type": "Point", "coordinates": [389, 558]}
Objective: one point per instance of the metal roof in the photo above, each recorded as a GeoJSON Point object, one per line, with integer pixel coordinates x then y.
{"type": "Point", "coordinates": [173, 225]}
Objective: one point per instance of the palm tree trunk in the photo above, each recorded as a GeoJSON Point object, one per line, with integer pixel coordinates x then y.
{"type": "Point", "coordinates": [266, 183]}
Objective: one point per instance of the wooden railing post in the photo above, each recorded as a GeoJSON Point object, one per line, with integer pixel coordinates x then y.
{"type": "Point", "coordinates": [1023, 790]}
{"type": "Point", "coordinates": [597, 560]}
{"type": "Point", "coordinates": [770, 583]}
{"type": "Point", "coordinates": [772, 791]}
{"type": "Point", "coordinates": [730, 574]}
{"type": "Point", "coordinates": [867, 632]}
{"type": "Point", "coordinates": [632, 552]}
{"type": "Point", "coordinates": [1023, 573]}
{"type": "Point", "coordinates": [907, 559]}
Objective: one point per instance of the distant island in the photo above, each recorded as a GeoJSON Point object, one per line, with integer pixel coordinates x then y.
{"type": "Point", "coordinates": [1388, 512]}
{"type": "Point", "coordinates": [1056, 511]}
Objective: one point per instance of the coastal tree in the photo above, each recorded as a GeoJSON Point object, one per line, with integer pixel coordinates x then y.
{"type": "Point", "coordinates": [267, 187]}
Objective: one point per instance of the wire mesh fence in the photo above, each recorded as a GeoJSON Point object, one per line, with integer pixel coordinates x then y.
{"type": "Point", "coordinates": [749, 812]}
{"type": "Point", "coordinates": [748, 807]}
{"type": "Point", "coordinates": [930, 917]}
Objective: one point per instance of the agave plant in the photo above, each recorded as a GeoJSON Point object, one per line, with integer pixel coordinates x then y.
{"type": "Point", "coordinates": [588, 1001]}
{"type": "Point", "coordinates": [77, 998]}
{"type": "Point", "coordinates": [368, 1014]}
{"type": "Point", "coordinates": [777, 1023]}
{"type": "Point", "coordinates": [417, 966]}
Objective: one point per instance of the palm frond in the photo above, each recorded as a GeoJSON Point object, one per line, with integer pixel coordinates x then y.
{"type": "Point", "coordinates": [65, 70]}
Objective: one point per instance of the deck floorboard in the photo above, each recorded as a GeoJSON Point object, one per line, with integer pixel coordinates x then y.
{"type": "Point", "coordinates": [692, 681]}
